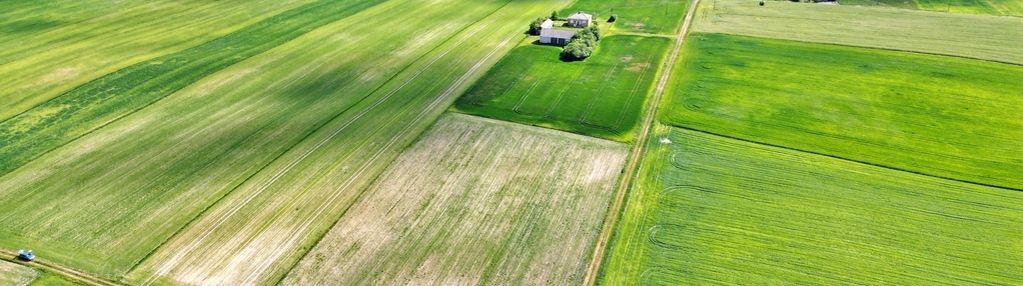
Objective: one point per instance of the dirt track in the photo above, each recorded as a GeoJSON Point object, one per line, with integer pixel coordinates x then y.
{"type": "Point", "coordinates": [635, 157]}
{"type": "Point", "coordinates": [69, 273]}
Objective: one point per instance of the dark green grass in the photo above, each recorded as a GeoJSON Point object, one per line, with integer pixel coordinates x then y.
{"type": "Point", "coordinates": [935, 115]}
{"type": "Point", "coordinates": [643, 16]}
{"type": "Point", "coordinates": [601, 96]}
{"type": "Point", "coordinates": [94, 104]}
{"type": "Point", "coordinates": [712, 210]}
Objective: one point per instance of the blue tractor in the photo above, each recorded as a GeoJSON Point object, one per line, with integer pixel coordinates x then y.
{"type": "Point", "coordinates": [26, 255]}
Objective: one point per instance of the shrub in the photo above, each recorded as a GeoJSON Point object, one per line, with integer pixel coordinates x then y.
{"type": "Point", "coordinates": [613, 18]}
{"type": "Point", "coordinates": [576, 50]}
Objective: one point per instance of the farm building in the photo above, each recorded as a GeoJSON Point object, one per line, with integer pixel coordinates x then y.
{"type": "Point", "coordinates": [547, 24]}
{"type": "Point", "coordinates": [580, 20]}
{"type": "Point", "coordinates": [555, 36]}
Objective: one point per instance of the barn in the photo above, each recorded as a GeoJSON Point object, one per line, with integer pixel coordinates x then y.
{"type": "Point", "coordinates": [555, 36]}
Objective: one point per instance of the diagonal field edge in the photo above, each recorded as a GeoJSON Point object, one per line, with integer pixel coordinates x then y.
{"type": "Point", "coordinates": [632, 165]}
{"type": "Point", "coordinates": [1008, 188]}
{"type": "Point", "coordinates": [97, 103]}
{"type": "Point", "coordinates": [308, 135]}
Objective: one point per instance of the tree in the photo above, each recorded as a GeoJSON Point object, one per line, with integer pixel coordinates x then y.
{"type": "Point", "coordinates": [576, 50]}
{"type": "Point", "coordinates": [594, 31]}
{"type": "Point", "coordinates": [534, 27]}
{"type": "Point", "coordinates": [613, 18]}
{"type": "Point", "coordinates": [554, 15]}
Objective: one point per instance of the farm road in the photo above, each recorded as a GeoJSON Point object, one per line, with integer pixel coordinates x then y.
{"type": "Point", "coordinates": [69, 273]}
{"type": "Point", "coordinates": [632, 165]}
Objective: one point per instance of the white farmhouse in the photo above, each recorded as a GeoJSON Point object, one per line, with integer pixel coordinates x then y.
{"type": "Point", "coordinates": [580, 20]}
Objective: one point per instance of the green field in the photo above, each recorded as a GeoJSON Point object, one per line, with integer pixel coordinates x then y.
{"type": "Point", "coordinates": [473, 203]}
{"type": "Point", "coordinates": [268, 222]}
{"type": "Point", "coordinates": [636, 16]}
{"type": "Point", "coordinates": [602, 96]}
{"type": "Point", "coordinates": [711, 210]}
{"type": "Point", "coordinates": [935, 115]}
{"type": "Point", "coordinates": [190, 149]}
{"type": "Point", "coordinates": [974, 36]}
{"type": "Point", "coordinates": [49, 47]}
{"type": "Point", "coordinates": [984, 7]}
{"type": "Point", "coordinates": [100, 101]}
{"type": "Point", "coordinates": [15, 275]}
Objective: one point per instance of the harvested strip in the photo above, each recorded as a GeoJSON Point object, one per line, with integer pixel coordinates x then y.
{"type": "Point", "coordinates": [103, 100]}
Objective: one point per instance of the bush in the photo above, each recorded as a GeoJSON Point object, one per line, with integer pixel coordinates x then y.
{"type": "Point", "coordinates": [576, 50]}
{"type": "Point", "coordinates": [593, 30]}
{"type": "Point", "coordinates": [613, 18]}
{"type": "Point", "coordinates": [582, 44]}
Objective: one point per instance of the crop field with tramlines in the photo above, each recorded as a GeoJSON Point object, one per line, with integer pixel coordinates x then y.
{"type": "Point", "coordinates": [510, 142]}
{"type": "Point", "coordinates": [470, 203]}
{"type": "Point", "coordinates": [715, 210]}
{"type": "Point", "coordinates": [602, 96]}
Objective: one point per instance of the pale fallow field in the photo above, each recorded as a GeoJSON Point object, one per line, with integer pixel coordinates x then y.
{"type": "Point", "coordinates": [474, 202]}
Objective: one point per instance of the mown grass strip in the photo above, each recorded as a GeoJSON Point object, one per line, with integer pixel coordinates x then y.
{"type": "Point", "coordinates": [101, 101]}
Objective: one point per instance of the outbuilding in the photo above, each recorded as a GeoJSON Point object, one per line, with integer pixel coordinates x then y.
{"type": "Point", "coordinates": [553, 36]}
{"type": "Point", "coordinates": [580, 20]}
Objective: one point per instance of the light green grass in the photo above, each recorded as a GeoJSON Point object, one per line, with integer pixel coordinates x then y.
{"type": "Point", "coordinates": [936, 115]}
{"type": "Point", "coordinates": [710, 210]}
{"type": "Point", "coordinates": [266, 224]}
{"type": "Point", "coordinates": [638, 16]}
{"type": "Point", "coordinates": [15, 275]}
{"type": "Point", "coordinates": [983, 7]}
{"type": "Point", "coordinates": [974, 36]}
{"type": "Point", "coordinates": [49, 47]}
{"type": "Point", "coordinates": [602, 96]}
{"type": "Point", "coordinates": [474, 202]}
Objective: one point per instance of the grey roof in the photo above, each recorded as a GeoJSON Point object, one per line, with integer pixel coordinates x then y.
{"type": "Point", "coordinates": [580, 16]}
{"type": "Point", "coordinates": [556, 33]}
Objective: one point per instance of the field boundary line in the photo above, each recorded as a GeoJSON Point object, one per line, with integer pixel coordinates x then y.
{"type": "Point", "coordinates": [63, 271]}
{"type": "Point", "coordinates": [635, 157]}
{"type": "Point", "coordinates": [1007, 188]}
